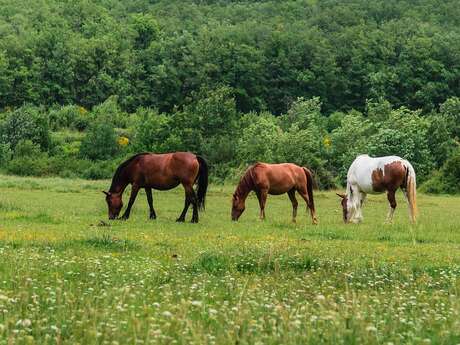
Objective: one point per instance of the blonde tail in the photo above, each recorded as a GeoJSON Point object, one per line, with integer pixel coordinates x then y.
{"type": "Point", "coordinates": [412, 194]}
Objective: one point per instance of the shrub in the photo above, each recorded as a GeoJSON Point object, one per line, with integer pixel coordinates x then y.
{"type": "Point", "coordinates": [258, 141]}
{"type": "Point", "coordinates": [69, 116]}
{"type": "Point", "coordinates": [5, 153]}
{"type": "Point", "coordinates": [152, 132]}
{"type": "Point", "coordinates": [110, 112]}
{"type": "Point", "coordinates": [28, 160]}
{"type": "Point", "coordinates": [100, 170]}
{"type": "Point", "coordinates": [100, 142]}
{"type": "Point", "coordinates": [447, 179]}
{"type": "Point", "coordinates": [26, 123]}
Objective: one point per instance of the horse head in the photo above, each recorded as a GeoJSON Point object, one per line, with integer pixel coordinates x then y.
{"type": "Point", "coordinates": [114, 203]}
{"type": "Point", "coordinates": [344, 204]}
{"type": "Point", "coordinates": [238, 207]}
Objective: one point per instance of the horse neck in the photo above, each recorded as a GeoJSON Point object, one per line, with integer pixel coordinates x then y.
{"type": "Point", "coordinates": [245, 186]}
{"type": "Point", "coordinates": [352, 197]}
{"type": "Point", "coordinates": [119, 183]}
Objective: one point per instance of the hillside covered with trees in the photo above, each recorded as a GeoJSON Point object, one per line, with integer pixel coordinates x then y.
{"type": "Point", "coordinates": [84, 84]}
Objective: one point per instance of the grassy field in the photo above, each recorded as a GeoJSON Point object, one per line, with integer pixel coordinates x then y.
{"type": "Point", "coordinates": [66, 279]}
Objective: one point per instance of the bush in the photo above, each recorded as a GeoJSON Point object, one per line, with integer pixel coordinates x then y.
{"type": "Point", "coordinates": [152, 132]}
{"type": "Point", "coordinates": [405, 134]}
{"type": "Point", "coordinates": [28, 160]}
{"type": "Point", "coordinates": [100, 170]}
{"type": "Point", "coordinates": [69, 116]}
{"type": "Point", "coordinates": [26, 123]}
{"type": "Point", "coordinates": [5, 154]}
{"type": "Point", "coordinates": [100, 142]}
{"type": "Point", "coordinates": [258, 141]}
{"type": "Point", "coordinates": [447, 179]}
{"type": "Point", "coordinates": [110, 112]}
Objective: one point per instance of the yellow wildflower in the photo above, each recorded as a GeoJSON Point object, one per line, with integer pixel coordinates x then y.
{"type": "Point", "coordinates": [123, 141]}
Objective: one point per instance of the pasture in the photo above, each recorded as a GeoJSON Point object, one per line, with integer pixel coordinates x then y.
{"type": "Point", "coordinates": [67, 278]}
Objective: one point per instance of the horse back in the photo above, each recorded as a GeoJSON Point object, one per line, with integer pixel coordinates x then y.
{"type": "Point", "coordinates": [166, 171]}
{"type": "Point", "coordinates": [377, 175]}
{"type": "Point", "coordinates": [279, 178]}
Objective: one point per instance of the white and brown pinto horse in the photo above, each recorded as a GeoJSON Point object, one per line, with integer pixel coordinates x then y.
{"type": "Point", "coordinates": [368, 175]}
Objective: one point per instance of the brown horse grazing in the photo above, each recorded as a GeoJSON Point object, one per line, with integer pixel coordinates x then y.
{"type": "Point", "coordinates": [162, 172]}
{"type": "Point", "coordinates": [274, 179]}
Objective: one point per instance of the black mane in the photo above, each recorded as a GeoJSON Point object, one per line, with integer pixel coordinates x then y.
{"type": "Point", "coordinates": [120, 169]}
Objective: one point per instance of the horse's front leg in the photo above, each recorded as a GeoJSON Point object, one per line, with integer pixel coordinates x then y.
{"type": "Point", "coordinates": [359, 211]}
{"type": "Point", "coordinates": [262, 196]}
{"type": "Point", "coordinates": [132, 198]}
{"type": "Point", "coordinates": [148, 192]}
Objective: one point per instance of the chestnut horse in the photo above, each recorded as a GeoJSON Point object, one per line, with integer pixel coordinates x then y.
{"type": "Point", "coordinates": [161, 172]}
{"type": "Point", "coordinates": [374, 176]}
{"type": "Point", "coordinates": [274, 179]}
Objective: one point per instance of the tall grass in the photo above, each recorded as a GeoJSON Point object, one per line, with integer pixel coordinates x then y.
{"type": "Point", "coordinates": [65, 279]}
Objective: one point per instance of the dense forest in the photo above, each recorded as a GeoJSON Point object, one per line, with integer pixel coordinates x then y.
{"type": "Point", "coordinates": [84, 84]}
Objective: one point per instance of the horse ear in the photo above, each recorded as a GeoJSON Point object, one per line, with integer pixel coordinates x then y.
{"type": "Point", "coordinates": [343, 196]}
{"type": "Point", "coordinates": [106, 193]}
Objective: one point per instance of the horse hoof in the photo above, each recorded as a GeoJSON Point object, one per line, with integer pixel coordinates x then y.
{"type": "Point", "coordinates": [180, 220]}
{"type": "Point", "coordinates": [194, 220]}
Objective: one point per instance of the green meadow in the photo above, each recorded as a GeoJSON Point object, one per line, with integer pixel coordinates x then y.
{"type": "Point", "coordinates": [69, 276]}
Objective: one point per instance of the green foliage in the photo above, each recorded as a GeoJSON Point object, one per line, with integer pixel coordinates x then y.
{"type": "Point", "coordinates": [159, 54]}
{"type": "Point", "coordinates": [5, 153]}
{"type": "Point", "coordinates": [109, 111]}
{"type": "Point", "coordinates": [405, 134]}
{"type": "Point", "coordinates": [153, 132]}
{"type": "Point", "coordinates": [100, 142]}
{"type": "Point", "coordinates": [316, 84]}
{"type": "Point", "coordinates": [259, 140]}
{"type": "Point", "coordinates": [68, 117]}
{"type": "Point", "coordinates": [146, 30]}
{"type": "Point", "coordinates": [25, 123]}
{"type": "Point", "coordinates": [447, 179]}
{"type": "Point", "coordinates": [451, 110]}
{"type": "Point", "coordinates": [28, 160]}
{"type": "Point", "coordinates": [100, 170]}
{"type": "Point", "coordinates": [348, 141]}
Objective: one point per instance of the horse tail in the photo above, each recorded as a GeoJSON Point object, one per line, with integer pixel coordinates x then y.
{"type": "Point", "coordinates": [203, 172]}
{"type": "Point", "coordinates": [411, 189]}
{"type": "Point", "coordinates": [310, 182]}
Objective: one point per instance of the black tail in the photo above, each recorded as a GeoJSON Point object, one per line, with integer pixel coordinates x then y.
{"type": "Point", "coordinates": [202, 182]}
{"type": "Point", "coordinates": [310, 183]}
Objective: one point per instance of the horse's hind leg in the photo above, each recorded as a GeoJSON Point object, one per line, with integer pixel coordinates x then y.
{"type": "Point", "coordinates": [294, 202]}
{"type": "Point", "coordinates": [194, 201]}
{"type": "Point", "coordinates": [305, 197]}
{"type": "Point", "coordinates": [132, 198]}
{"type": "Point", "coordinates": [190, 198]}
{"type": "Point", "coordinates": [148, 191]}
{"type": "Point", "coordinates": [392, 201]}
{"type": "Point", "coordinates": [411, 215]}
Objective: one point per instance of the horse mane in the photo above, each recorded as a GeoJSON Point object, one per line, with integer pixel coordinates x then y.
{"type": "Point", "coordinates": [121, 168]}
{"type": "Point", "coordinates": [246, 182]}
